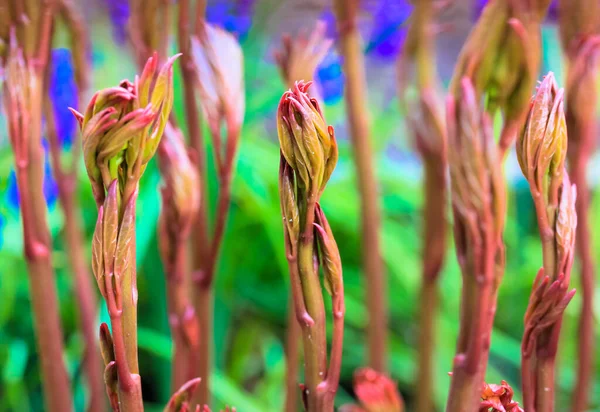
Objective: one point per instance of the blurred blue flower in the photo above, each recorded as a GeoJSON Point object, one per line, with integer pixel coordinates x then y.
{"type": "Point", "coordinates": [63, 92]}
{"type": "Point", "coordinates": [50, 187]}
{"type": "Point", "coordinates": [235, 16]}
{"type": "Point", "coordinates": [330, 78]}
{"type": "Point", "coordinates": [12, 191]}
{"type": "Point", "coordinates": [389, 29]}
{"type": "Point", "coordinates": [118, 11]}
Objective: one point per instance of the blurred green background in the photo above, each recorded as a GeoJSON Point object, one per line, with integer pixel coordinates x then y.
{"type": "Point", "coordinates": [252, 283]}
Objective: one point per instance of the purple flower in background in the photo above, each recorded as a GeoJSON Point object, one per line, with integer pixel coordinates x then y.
{"type": "Point", "coordinates": [50, 188]}
{"type": "Point", "coordinates": [12, 192]}
{"type": "Point", "coordinates": [388, 29]}
{"type": "Point", "coordinates": [235, 16]}
{"type": "Point", "coordinates": [330, 78]}
{"type": "Point", "coordinates": [63, 92]}
{"type": "Point", "coordinates": [118, 11]}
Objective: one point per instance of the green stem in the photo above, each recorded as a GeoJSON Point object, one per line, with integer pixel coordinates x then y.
{"type": "Point", "coordinates": [314, 338]}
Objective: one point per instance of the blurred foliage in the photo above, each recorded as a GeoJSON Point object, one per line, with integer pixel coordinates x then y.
{"type": "Point", "coordinates": [252, 283]}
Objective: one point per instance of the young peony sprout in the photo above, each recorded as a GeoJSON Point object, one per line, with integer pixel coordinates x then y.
{"type": "Point", "coordinates": [308, 156]}
{"type": "Point", "coordinates": [541, 149]}
{"type": "Point", "coordinates": [121, 129]}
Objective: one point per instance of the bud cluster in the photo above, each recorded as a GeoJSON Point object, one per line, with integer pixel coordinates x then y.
{"type": "Point", "coordinates": [307, 143]}
{"type": "Point", "coordinates": [122, 127]}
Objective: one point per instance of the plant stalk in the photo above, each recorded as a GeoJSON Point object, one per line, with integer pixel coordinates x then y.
{"type": "Point", "coordinates": [37, 245]}
{"type": "Point", "coordinates": [82, 279]}
{"type": "Point", "coordinates": [292, 340]}
{"type": "Point", "coordinates": [579, 152]}
{"type": "Point", "coordinates": [313, 336]}
{"type": "Point", "coordinates": [434, 249]}
{"type": "Point", "coordinates": [356, 106]}
{"type": "Point", "coordinates": [24, 120]}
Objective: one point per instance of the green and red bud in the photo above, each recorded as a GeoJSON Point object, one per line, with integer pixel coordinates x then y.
{"type": "Point", "coordinates": [307, 143]}
{"type": "Point", "coordinates": [476, 180]}
{"type": "Point", "coordinates": [122, 126]}
{"type": "Point", "coordinates": [542, 146]}
{"type": "Point", "coordinates": [330, 255]}
{"type": "Point", "coordinates": [502, 58]}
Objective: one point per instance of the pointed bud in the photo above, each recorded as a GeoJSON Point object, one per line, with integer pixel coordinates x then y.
{"type": "Point", "coordinates": [106, 344]}
{"type": "Point", "coordinates": [219, 62]}
{"type": "Point", "coordinates": [542, 146]}
{"type": "Point", "coordinates": [180, 399]}
{"type": "Point", "coordinates": [376, 392]}
{"type": "Point", "coordinates": [330, 255]}
{"type": "Point", "coordinates": [307, 144]}
{"type": "Point", "coordinates": [477, 186]}
{"type": "Point", "coordinates": [123, 124]}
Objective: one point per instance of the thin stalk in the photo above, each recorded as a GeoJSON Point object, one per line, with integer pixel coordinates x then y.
{"type": "Point", "coordinates": [313, 336]}
{"type": "Point", "coordinates": [292, 340]}
{"type": "Point", "coordinates": [586, 354]}
{"type": "Point", "coordinates": [428, 307]}
{"type": "Point", "coordinates": [25, 68]}
{"type": "Point", "coordinates": [434, 250]}
{"type": "Point", "coordinates": [417, 70]}
{"type": "Point", "coordinates": [356, 106]}
{"type": "Point", "coordinates": [180, 319]}
{"type": "Point", "coordinates": [37, 248]}
{"type": "Point", "coordinates": [200, 243]}
{"type": "Point", "coordinates": [74, 239]}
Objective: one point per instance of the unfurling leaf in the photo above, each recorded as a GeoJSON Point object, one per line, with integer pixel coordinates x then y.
{"type": "Point", "coordinates": [289, 207]}
{"type": "Point", "coordinates": [180, 400]}
{"type": "Point", "coordinates": [106, 344]}
{"type": "Point", "coordinates": [110, 228]}
{"type": "Point", "coordinates": [98, 254]}
{"type": "Point", "coordinates": [125, 239]}
{"type": "Point", "coordinates": [330, 255]}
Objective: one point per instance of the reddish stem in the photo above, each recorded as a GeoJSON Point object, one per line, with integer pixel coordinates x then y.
{"type": "Point", "coordinates": [356, 103]}
{"type": "Point", "coordinates": [579, 157]}
{"type": "Point", "coordinates": [37, 245]}
{"type": "Point", "coordinates": [292, 354]}
{"type": "Point", "coordinates": [182, 319]}
{"type": "Point", "coordinates": [82, 279]}
{"type": "Point", "coordinates": [434, 250]}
